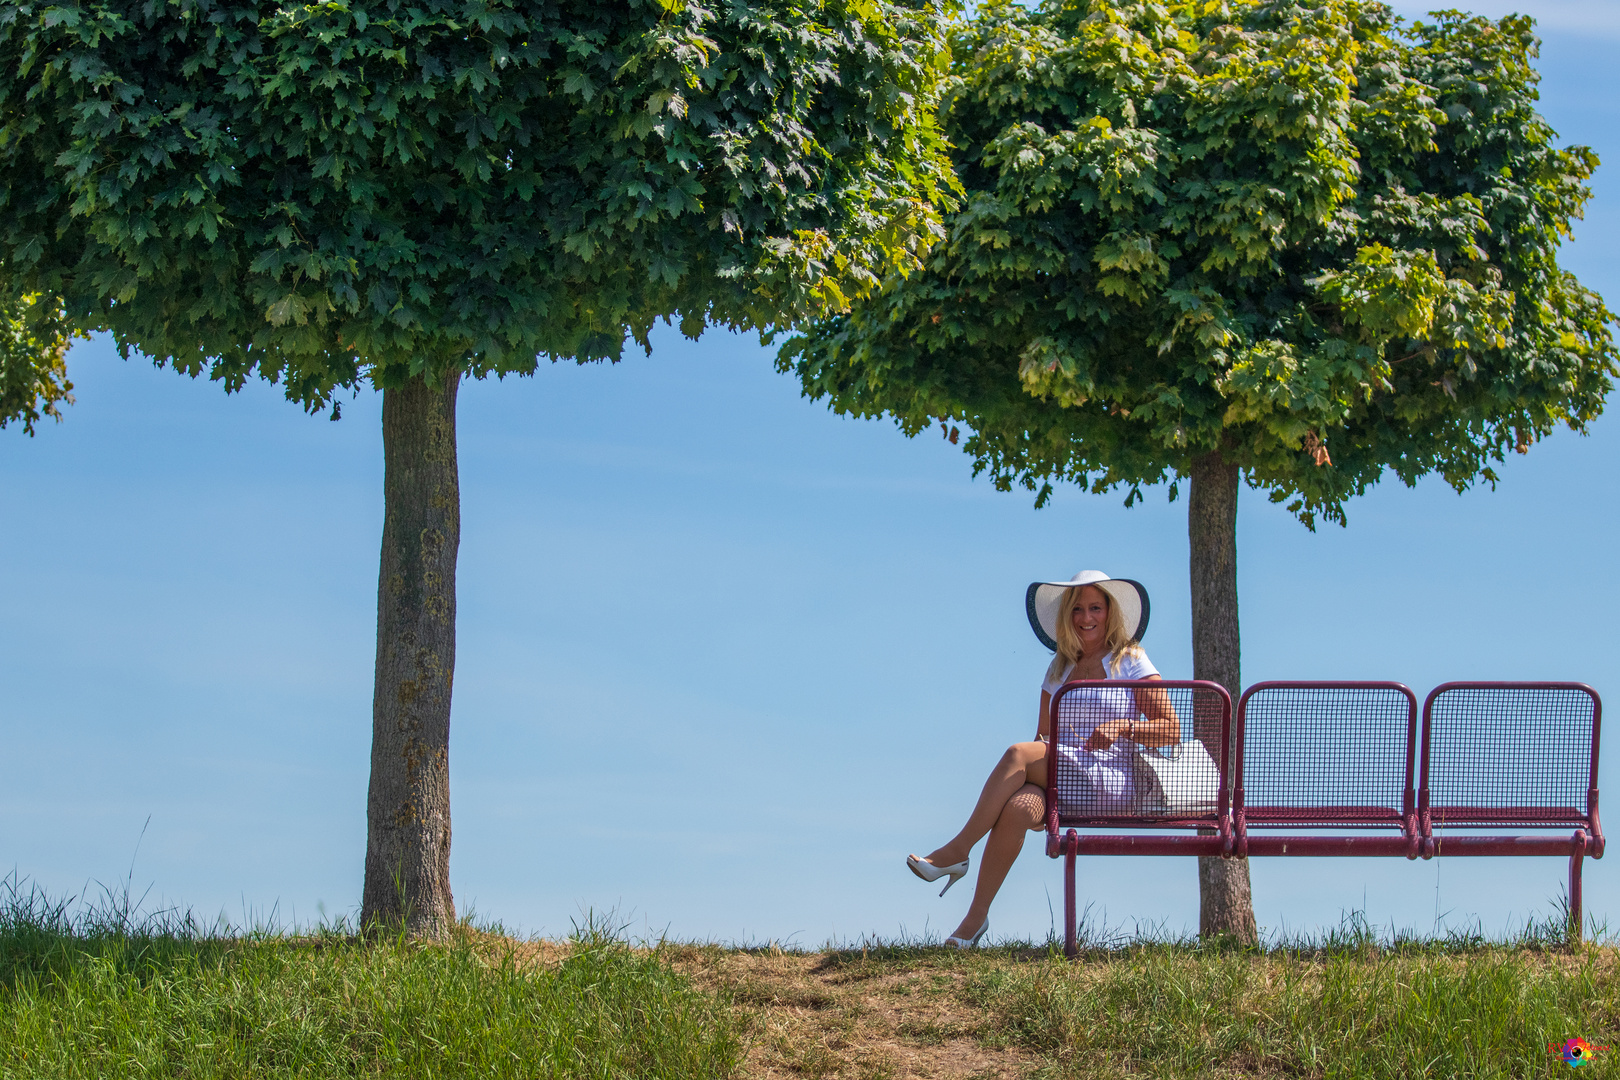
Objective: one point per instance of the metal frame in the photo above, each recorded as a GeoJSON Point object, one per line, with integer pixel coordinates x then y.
{"type": "Point", "coordinates": [1405, 818]}
{"type": "Point", "coordinates": [1070, 844]}
{"type": "Point", "coordinates": [1586, 840]}
{"type": "Point", "coordinates": [1225, 833]}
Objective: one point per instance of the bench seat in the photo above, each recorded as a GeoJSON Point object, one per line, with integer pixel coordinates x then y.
{"type": "Point", "coordinates": [1336, 769]}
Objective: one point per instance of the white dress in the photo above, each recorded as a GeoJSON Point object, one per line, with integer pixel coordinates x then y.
{"type": "Point", "coordinates": [1105, 775]}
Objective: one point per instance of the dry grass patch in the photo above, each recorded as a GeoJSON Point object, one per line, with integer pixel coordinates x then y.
{"type": "Point", "coordinates": [860, 1016]}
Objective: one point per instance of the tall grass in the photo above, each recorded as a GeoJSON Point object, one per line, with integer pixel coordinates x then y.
{"type": "Point", "coordinates": [99, 993]}
{"type": "Point", "coordinates": [1350, 1003]}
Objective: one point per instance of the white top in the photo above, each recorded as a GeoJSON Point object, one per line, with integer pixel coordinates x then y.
{"type": "Point", "coordinates": [1105, 778]}
{"type": "Point", "coordinates": [1131, 666]}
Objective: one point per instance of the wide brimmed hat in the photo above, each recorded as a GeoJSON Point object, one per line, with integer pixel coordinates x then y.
{"type": "Point", "coordinates": [1044, 598]}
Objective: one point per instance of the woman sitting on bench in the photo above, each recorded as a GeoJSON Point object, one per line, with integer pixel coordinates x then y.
{"type": "Point", "coordinates": [1093, 623]}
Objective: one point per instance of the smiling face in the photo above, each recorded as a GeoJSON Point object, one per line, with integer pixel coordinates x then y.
{"type": "Point", "coordinates": [1090, 620]}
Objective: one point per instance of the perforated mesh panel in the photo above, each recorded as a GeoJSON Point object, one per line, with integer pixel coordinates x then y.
{"type": "Point", "coordinates": [1328, 755]}
{"type": "Point", "coordinates": [1127, 782]}
{"type": "Point", "coordinates": [1510, 755]}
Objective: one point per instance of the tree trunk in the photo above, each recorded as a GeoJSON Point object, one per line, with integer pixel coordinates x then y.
{"type": "Point", "coordinates": [1224, 902]}
{"type": "Point", "coordinates": [407, 881]}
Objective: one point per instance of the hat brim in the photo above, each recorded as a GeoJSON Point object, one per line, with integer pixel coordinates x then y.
{"type": "Point", "coordinates": [1044, 598]}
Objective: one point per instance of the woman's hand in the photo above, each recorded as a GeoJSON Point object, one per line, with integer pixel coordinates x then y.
{"type": "Point", "coordinates": [1103, 735]}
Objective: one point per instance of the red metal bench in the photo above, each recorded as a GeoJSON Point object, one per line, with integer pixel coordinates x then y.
{"type": "Point", "coordinates": [1323, 755]}
{"type": "Point", "coordinates": [1512, 755]}
{"type": "Point", "coordinates": [1338, 768]}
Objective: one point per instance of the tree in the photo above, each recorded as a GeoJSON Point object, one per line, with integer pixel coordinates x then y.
{"type": "Point", "coordinates": [34, 339]}
{"type": "Point", "coordinates": [407, 192]}
{"type": "Point", "coordinates": [1250, 239]}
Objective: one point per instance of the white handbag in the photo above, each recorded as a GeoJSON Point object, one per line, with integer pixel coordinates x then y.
{"type": "Point", "coordinates": [1176, 779]}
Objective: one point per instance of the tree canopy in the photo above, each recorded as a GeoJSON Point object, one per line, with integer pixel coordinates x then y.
{"type": "Point", "coordinates": [1317, 240]}
{"type": "Point", "coordinates": [320, 193]}
{"type": "Point", "coordinates": [408, 192]}
{"type": "Point", "coordinates": [1217, 239]}
{"type": "Point", "coordinates": [34, 339]}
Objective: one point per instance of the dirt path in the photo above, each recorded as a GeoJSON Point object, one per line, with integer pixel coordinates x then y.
{"type": "Point", "coordinates": [838, 1015]}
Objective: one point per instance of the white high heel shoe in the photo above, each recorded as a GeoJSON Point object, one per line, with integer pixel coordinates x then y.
{"type": "Point", "coordinates": [929, 872]}
{"type": "Point", "coordinates": [954, 942]}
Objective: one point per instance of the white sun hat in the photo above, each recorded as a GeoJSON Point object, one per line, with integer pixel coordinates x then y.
{"type": "Point", "coordinates": [1044, 598]}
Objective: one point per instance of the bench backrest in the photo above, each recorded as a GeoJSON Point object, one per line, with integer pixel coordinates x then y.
{"type": "Point", "coordinates": [1327, 754]}
{"type": "Point", "coordinates": [1186, 784]}
{"type": "Point", "coordinates": [1510, 754]}
{"type": "Point", "coordinates": [1341, 755]}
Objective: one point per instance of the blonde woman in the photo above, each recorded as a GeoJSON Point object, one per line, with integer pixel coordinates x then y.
{"type": "Point", "coordinates": [1093, 623]}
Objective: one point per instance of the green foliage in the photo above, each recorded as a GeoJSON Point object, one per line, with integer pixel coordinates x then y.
{"type": "Point", "coordinates": [353, 189]}
{"type": "Point", "coordinates": [1312, 238]}
{"type": "Point", "coordinates": [34, 338]}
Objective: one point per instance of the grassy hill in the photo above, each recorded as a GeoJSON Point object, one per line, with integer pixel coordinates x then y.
{"type": "Point", "coordinates": [104, 995]}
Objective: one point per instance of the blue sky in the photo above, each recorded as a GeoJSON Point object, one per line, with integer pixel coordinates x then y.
{"type": "Point", "coordinates": [724, 658]}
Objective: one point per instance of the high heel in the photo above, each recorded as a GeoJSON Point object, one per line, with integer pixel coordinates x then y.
{"type": "Point", "coordinates": [955, 942]}
{"type": "Point", "coordinates": [929, 872]}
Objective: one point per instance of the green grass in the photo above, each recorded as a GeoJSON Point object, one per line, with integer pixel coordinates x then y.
{"type": "Point", "coordinates": [1171, 1011]}
{"type": "Point", "coordinates": [105, 996]}
{"type": "Point", "coordinates": [100, 993]}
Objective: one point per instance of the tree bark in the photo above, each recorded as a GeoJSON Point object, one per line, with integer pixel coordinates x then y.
{"type": "Point", "coordinates": [1225, 905]}
{"type": "Point", "coordinates": [407, 882]}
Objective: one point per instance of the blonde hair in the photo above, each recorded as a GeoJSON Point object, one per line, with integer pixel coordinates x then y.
{"type": "Point", "coordinates": [1117, 639]}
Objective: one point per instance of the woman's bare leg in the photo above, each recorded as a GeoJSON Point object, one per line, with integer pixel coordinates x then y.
{"type": "Point", "coordinates": [1023, 763]}
{"type": "Point", "coordinates": [1026, 810]}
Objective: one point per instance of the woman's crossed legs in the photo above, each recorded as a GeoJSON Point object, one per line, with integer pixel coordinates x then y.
{"type": "Point", "coordinates": [1012, 803]}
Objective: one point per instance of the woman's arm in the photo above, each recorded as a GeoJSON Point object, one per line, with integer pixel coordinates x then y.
{"type": "Point", "coordinates": [1043, 729]}
{"type": "Point", "coordinates": [1156, 726]}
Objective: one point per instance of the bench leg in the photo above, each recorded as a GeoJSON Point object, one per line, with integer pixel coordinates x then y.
{"type": "Point", "coordinates": [1575, 916]}
{"type": "Point", "coordinates": [1071, 946]}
